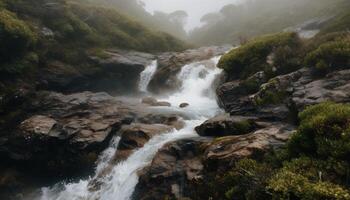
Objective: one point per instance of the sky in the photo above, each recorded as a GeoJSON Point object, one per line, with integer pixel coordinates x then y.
{"type": "Point", "coordinates": [194, 8]}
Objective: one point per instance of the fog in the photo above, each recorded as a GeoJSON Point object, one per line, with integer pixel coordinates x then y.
{"type": "Point", "coordinates": [195, 8]}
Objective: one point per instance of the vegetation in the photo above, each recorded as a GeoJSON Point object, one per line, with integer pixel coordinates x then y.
{"type": "Point", "coordinates": [313, 165]}
{"type": "Point", "coordinates": [252, 56]}
{"type": "Point", "coordinates": [254, 18]}
{"type": "Point", "coordinates": [34, 33]}
{"type": "Point", "coordinates": [16, 38]}
{"type": "Point", "coordinates": [330, 56]}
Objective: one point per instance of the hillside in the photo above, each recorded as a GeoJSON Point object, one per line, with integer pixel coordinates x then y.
{"type": "Point", "coordinates": [236, 23]}
{"type": "Point", "coordinates": [35, 33]}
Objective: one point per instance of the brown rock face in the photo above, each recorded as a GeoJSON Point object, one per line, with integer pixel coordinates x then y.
{"type": "Point", "coordinates": [223, 152]}
{"type": "Point", "coordinates": [171, 171]}
{"type": "Point", "coordinates": [154, 102]}
{"type": "Point", "coordinates": [67, 133]}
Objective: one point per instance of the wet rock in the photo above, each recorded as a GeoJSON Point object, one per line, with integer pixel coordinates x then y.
{"type": "Point", "coordinates": [171, 171]}
{"type": "Point", "coordinates": [224, 125]}
{"type": "Point", "coordinates": [184, 105]}
{"type": "Point", "coordinates": [168, 119]}
{"type": "Point", "coordinates": [136, 135]}
{"type": "Point", "coordinates": [234, 97]}
{"type": "Point", "coordinates": [154, 102]}
{"type": "Point", "coordinates": [67, 133]}
{"type": "Point", "coordinates": [223, 152]}
{"type": "Point", "coordinates": [116, 72]}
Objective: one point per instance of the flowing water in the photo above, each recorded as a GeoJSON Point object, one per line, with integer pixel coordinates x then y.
{"type": "Point", "coordinates": [146, 76]}
{"type": "Point", "coordinates": [197, 80]}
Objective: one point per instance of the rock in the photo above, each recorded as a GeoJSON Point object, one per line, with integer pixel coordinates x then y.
{"type": "Point", "coordinates": [171, 171]}
{"type": "Point", "coordinates": [149, 100]}
{"type": "Point", "coordinates": [154, 102]}
{"type": "Point", "coordinates": [184, 105]}
{"type": "Point", "coordinates": [233, 96]}
{"type": "Point", "coordinates": [136, 135]}
{"type": "Point", "coordinates": [163, 103]}
{"type": "Point", "coordinates": [161, 118]}
{"type": "Point", "coordinates": [334, 87]}
{"type": "Point", "coordinates": [170, 64]}
{"type": "Point", "coordinates": [116, 72]}
{"type": "Point", "coordinates": [222, 153]}
{"type": "Point", "coordinates": [65, 133]}
{"type": "Point", "coordinates": [224, 125]}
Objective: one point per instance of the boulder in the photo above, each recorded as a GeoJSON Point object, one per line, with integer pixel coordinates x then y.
{"type": "Point", "coordinates": [224, 125]}
{"type": "Point", "coordinates": [168, 119]}
{"type": "Point", "coordinates": [222, 153]}
{"type": "Point", "coordinates": [65, 133]}
{"type": "Point", "coordinates": [154, 102]}
{"type": "Point", "coordinates": [172, 170]}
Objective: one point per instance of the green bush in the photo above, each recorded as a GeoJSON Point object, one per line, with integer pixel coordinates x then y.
{"type": "Point", "coordinates": [16, 36]}
{"type": "Point", "coordinates": [252, 56]}
{"type": "Point", "coordinates": [324, 132]}
{"type": "Point", "coordinates": [330, 56]}
{"type": "Point", "coordinates": [289, 185]}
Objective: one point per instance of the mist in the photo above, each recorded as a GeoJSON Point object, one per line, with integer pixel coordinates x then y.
{"type": "Point", "coordinates": [194, 8]}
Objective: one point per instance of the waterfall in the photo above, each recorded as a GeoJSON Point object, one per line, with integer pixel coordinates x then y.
{"type": "Point", "coordinates": [119, 184]}
{"type": "Point", "coordinates": [146, 76]}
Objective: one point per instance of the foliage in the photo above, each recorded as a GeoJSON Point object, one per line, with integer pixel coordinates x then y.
{"type": "Point", "coordinates": [288, 185]}
{"type": "Point", "coordinates": [330, 56]}
{"type": "Point", "coordinates": [324, 132]}
{"type": "Point", "coordinates": [16, 36]}
{"type": "Point", "coordinates": [252, 56]}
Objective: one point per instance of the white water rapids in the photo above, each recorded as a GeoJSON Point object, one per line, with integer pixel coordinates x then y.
{"type": "Point", "coordinates": [197, 80]}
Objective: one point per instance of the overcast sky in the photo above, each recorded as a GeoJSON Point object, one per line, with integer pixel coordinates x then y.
{"type": "Point", "coordinates": [195, 8]}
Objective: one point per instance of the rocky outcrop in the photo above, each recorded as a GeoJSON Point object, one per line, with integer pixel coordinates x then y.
{"type": "Point", "coordinates": [284, 95]}
{"type": "Point", "coordinates": [170, 64]}
{"type": "Point", "coordinates": [224, 125]}
{"type": "Point", "coordinates": [334, 87]}
{"type": "Point", "coordinates": [223, 152]}
{"type": "Point", "coordinates": [172, 170]}
{"type": "Point", "coordinates": [135, 135]}
{"type": "Point", "coordinates": [115, 71]}
{"type": "Point", "coordinates": [67, 133]}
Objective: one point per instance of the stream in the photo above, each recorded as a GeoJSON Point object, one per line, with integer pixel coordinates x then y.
{"type": "Point", "coordinates": [197, 90]}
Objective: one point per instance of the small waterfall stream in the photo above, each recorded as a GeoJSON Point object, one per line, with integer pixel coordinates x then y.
{"type": "Point", "coordinates": [197, 79]}
{"type": "Point", "coordinates": [146, 76]}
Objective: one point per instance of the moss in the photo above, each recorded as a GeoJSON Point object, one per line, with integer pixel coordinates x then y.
{"type": "Point", "coordinates": [271, 98]}
{"type": "Point", "coordinates": [251, 57]}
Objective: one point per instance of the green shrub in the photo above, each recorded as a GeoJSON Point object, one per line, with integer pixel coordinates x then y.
{"type": "Point", "coordinates": [289, 185]}
{"type": "Point", "coordinates": [252, 56]}
{"type": "Point", "coordinates": [16, 35]}
{"type": "Point", "coordinates": [330, 56]}
{"type": "Point", "coordinates": [324, 132]}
